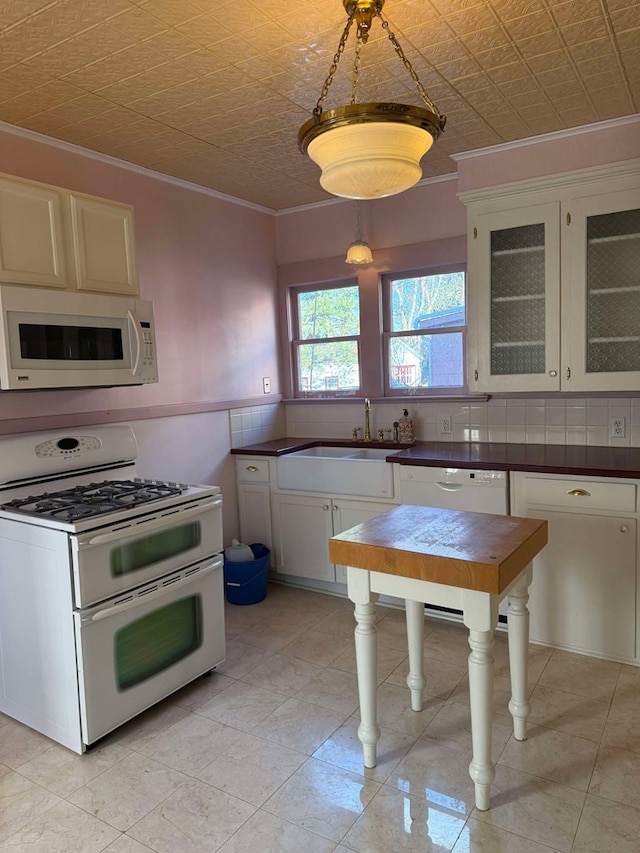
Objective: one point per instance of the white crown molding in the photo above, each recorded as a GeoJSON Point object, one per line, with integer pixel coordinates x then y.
{"type": "Point", "coordinates": [438, 179]}
{"type": "Point", "coordinates": [626, 170]}
{"type": "Point", "coordinates": [547, 137]}
{"type": "Point", "coordinates": [131, 167]}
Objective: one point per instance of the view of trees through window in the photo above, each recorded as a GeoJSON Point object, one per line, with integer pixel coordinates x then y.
{"type": "Point", "coordinates": [427, 318]}
{"type": "Point", "coordinates": [329, 328]}
{"type": "Point", "coordinates": [424, 334]}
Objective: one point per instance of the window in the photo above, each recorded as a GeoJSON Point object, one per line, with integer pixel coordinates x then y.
{"type": "Point", "coordinates": [424, 331]}
{"type": "Point", "coordinates": [326, 340]}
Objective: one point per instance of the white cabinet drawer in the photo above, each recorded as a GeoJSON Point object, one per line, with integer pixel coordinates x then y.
{"type": "Point", "coordinates": [252, 470]}
{"type": "Point", "coordinates": [580, 495]}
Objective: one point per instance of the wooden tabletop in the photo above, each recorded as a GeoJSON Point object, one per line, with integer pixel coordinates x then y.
{"type": "Point", "coordinates": [473, 550]}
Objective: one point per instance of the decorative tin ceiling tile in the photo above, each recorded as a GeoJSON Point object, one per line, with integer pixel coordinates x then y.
{"type": "Point", "coordinates": [215, 92]}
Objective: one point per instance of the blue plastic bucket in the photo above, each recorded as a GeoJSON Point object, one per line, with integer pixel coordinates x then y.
{"type": "Point", "coordinates": [246, 582]}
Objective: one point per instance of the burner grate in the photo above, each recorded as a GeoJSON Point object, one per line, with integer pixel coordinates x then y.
{"type": "Point", "coordinates": [94, 499]}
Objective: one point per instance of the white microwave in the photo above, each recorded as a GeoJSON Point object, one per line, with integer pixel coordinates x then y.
{"type": "Point", "coordinates": [53, 339]}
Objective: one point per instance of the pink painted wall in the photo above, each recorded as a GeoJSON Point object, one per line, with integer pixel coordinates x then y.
{"type": "Point", "coordinates": [425, 213]}
{"type": "Point", "coordinates": [209, 266]}
{"type": "Point", "coordinates": [595, 146]}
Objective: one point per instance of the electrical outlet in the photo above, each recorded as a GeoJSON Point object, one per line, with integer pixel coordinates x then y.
{"type": "Point", "coordinates": [445, 425]}
{"type": "Point", "coordinates": [617, 427]}
{"type": "Point", "coordinates": [266, 384]}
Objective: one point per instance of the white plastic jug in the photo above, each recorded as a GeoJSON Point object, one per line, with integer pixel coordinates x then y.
{"type": "Point", "coordinates": [238, 553]}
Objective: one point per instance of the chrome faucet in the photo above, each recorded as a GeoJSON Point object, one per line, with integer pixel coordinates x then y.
{"type": "Point", "coordinates": [367, 425]}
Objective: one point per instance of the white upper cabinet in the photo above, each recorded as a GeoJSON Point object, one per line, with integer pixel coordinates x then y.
{"type": "Point", "coordinates": [516, 268]}
{"type": "Point", "coordinates": [50, 237]}
{"type": "Point", "coordinates": [602, 274]}
{"type": "Point", "coordinates": [32, 246]}
{"type": "Point", "coordinates": [103, 244]}
{"type": "Point", "coordinates": [554, 293]}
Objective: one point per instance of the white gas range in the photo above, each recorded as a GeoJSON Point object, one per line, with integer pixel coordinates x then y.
{"type": "Point", "coordinates": [111, 590]}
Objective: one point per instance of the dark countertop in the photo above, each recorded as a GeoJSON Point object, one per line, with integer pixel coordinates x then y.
{"type": "Point", "coordinates": [538, 458]}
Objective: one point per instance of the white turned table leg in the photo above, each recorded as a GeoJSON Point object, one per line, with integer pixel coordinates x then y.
{"type": "Point", "coordinates": [518, 627]}
{"type": "Point", "coordinates": [414, 612]}
{"type": "Point", "coordinates": [481, 768]}
{"type": "Point", "coordinates": [366, 662]}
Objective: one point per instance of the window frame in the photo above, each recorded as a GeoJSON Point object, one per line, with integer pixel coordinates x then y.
{"type": "Point", "coordinates": [296, 342]}
{"type": "Point", "coordinates": [388, 333]}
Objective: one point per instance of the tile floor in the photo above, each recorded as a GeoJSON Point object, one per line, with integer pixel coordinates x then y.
{"type": "Point", "coordinates": [263, 756]}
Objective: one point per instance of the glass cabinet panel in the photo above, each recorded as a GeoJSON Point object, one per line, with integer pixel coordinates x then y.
{"type": "Point", "coordinates": [613, 292]}
{"type": "Point", "coordinates": [518, 300]}
{"type": "Point", "coordinates": [514, 284]}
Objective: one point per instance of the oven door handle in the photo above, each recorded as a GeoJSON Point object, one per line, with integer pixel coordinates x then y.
{"type": "Point", "coordinates": [149, 526]}
{"type": "Point", "coordinates": [137, 600]}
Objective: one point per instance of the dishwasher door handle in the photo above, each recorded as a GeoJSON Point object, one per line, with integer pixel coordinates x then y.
{"type": "Point", "coordinates": [449, 487]}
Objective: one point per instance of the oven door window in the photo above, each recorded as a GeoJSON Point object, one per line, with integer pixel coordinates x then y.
{"type": "Point", "coordinates": [159, 545]}
{"type": "Point", "coordinates": [157, 641]}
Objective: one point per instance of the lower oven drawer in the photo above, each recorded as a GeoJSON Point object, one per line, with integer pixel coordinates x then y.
{"type": "Point", "coordinates": [142, 646]}
{"type": "Point", "coordinates": [110, 560]}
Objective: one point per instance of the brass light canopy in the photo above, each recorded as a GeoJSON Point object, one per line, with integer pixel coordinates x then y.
{"type": "Point", "coordinates": [369, 150]}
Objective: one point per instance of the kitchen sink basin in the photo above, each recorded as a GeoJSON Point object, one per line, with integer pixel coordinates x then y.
{"type": "Point", "coordinates": [371, 453]}
{"type": "Point", "coordinates": [337, 471]}
{"type": "Point", "coordinates": [322, 452]}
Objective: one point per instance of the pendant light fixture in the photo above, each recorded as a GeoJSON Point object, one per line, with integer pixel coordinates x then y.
{"type": "Point", "coordinates": [359, 251]}
{"type": "Point", "coordinates": [369, 150]}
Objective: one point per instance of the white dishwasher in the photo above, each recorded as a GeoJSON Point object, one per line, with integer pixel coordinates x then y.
{"type": "Point", "coordinates": [467, 489]}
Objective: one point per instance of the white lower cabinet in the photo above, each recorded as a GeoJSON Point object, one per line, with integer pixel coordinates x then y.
{"type": "Point", "coordinates": [303, 525]}
{"type": "Point", "coordinates": [583, 596]}
{"type": "Point", "coordinates": [254, 501]}
{"type": "Point", "coordinates": [254, 506]}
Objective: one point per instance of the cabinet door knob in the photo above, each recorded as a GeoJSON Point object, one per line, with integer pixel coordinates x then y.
{"type": "Point", "coordinates": [624, 528]}
{"type": "Point", "coordinates": [252, 468]}
{"type": "Point", "coordinates": [553, 373]}
{"type": "Point", "coordinates": [579, 493]}
{"type": "Point", "coordinates": [325, 507]}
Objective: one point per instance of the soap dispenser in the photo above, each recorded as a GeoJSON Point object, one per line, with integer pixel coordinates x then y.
{"type": "Point", "coordinates": [405, 428]}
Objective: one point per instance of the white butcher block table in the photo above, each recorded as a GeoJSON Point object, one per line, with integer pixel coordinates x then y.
{"type": "Point", "coordinates": [464, 560]}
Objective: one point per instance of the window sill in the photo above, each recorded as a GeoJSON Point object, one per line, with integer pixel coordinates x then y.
{"type": "Point", "coordinates": [409, 398]}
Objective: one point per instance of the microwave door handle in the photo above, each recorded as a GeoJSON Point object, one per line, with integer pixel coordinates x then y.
{"type": "Point", "coordinates": [134, 324]}
{"type": "Point", "coordinates": [105, 612]}
{"type": "Point", "coordinates": [148, 526]}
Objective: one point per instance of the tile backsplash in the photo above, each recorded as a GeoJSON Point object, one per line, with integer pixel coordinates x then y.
{"type": "Point", "coordinates": [254, 424]}
{"type": "Point", "coordinates": [540, 420]}
{"type": "Point", "coordinates": [514, 420]}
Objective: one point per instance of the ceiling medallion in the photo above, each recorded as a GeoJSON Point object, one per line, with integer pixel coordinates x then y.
{"type": "Point", "coordinates": [369, 150]}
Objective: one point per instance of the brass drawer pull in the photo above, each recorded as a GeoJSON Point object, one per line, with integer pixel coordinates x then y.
{"type": "Point", "coordinates": [579, 493]}
{"type": "Point", "coordinates": [252, 468]}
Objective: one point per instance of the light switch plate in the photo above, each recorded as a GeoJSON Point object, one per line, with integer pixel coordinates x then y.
{"type": "Point", "coordinates": [266, 384]}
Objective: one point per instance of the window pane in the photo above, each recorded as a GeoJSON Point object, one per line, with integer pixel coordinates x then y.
{"type": "Point", "coordinates": [427, 301]}
{"type": "Point", "coordinates": [426, 361]}
{"type": "Point", "coordinates": [333, 313]}
{"type": "Point", "coordinates": [329, 367]}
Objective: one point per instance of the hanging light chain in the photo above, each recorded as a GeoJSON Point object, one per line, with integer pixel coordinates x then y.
{"type": "Point", "coordinates": [332, 71]}
{"type": "Point", "coordinates": [407, 64]}
{"type": "Point", "coordinates": [356, 70]}
{"type": "Point", "coordinates": [362, 36]}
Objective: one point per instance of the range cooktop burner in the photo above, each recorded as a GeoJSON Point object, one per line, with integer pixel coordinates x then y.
{"type": "Point", "coordinates": [94, 499]}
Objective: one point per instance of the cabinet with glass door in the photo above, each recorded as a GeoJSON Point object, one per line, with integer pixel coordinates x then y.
{"type": "Point", "coordinates": [601, 272]}
{"type": "Point", "coordinates": [554, 293]}
{"type": "Point", "coordinates": [514, 279]}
